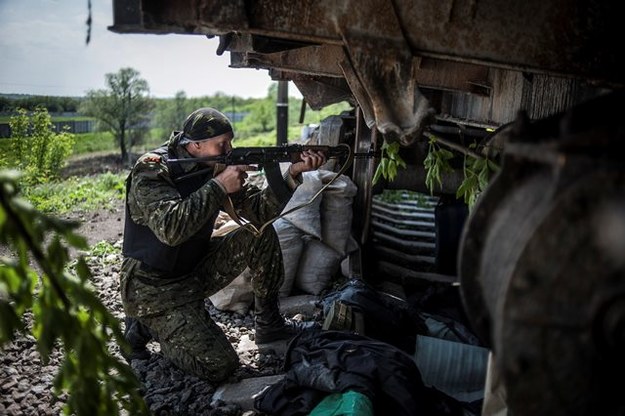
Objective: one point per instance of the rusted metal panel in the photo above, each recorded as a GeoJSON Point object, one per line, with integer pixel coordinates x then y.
{"type": "Point", "coordinates": [387, 51]}
{"type": "Point", "coordinates": [319, 60]}
{"type": "Point", "coordinates": [323, 91]}
{"type": "Point", "coordinates": [559, 36]}
{"type": "Point", "coordinates": [565, 37]}
{"type": "Point", "coordinates": [434, 73]}
{"type": "Point", "coordinates": [181, 16]}
{"type": "Point", "coordinates": [311, 20]}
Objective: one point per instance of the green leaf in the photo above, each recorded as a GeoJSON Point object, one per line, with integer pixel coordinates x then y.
{"type": "Point", "coordinates": [9, 322]}
{"type": "Point", "coordinates": [377, 175]}
{"type": "Point", "coordinates": [66, 313]}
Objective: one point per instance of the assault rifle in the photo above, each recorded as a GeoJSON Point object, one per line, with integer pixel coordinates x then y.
{"type": "Point", "coordinates": [262, 156]}
{"type": "Point", "coordinates": [268, 158]}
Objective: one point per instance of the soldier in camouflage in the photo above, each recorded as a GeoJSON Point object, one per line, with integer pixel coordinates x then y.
{"type": "Point", "coordinates": [171, 262]}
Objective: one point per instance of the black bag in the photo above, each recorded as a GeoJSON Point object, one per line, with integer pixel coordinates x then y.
{"type": "Point", "coordinates": [386, 319]}
{"type": "Point", "coordinates": [318, 363]}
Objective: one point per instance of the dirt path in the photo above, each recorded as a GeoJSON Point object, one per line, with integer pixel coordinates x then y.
{"type": "Point", "coordinates": [106, 224]}
{"type": "Point", "coordinates": [103, 225]}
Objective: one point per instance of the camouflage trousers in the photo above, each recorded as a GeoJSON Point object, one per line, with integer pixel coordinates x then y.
{"type": "Point", "coordinates": [173, 308]}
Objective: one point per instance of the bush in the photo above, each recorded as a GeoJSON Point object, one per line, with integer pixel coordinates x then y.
{"type": "Point", "coordinates": [37, 150]}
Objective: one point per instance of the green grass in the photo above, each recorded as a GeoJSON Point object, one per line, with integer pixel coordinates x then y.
{"type": "Point", "coordinates": [77, 194]}
{"type": "Point", "coordinates": [103, 249]}
{"type": "Point", "coordinates": [5, 152]}
{"type": "Point", "coordinates": [93, 142]}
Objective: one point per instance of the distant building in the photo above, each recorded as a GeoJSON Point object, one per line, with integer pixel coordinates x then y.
{"type": "Point", "coordinates": [72, 126]}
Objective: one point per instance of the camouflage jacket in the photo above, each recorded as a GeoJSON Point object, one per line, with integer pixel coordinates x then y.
{"type": "Point", "coordinates": [153, 200]}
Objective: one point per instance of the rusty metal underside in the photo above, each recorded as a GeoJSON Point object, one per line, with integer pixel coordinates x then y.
{"type": "Point", "coordinates": [382, 55]}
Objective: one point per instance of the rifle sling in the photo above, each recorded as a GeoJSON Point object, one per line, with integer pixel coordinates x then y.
{"type": "Point", "coordinates": [276, 182]}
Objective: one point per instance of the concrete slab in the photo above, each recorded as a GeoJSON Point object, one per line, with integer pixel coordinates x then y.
{"type": "Point", "coordinates": [244, 392]}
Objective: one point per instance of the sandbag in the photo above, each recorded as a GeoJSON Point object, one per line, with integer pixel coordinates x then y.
{"type": "Point", "coordinates": [336, 211]}
{"type": "Point", "coordinates": [317, 266]}
{"type": "Point", "coordinates": [237, 296]}
{"type": "Point", "coordinates": [291, 244]}
{"type": "Point", "coordinates": [307, 218]}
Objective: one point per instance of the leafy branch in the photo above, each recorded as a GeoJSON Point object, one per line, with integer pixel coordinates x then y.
{"type": "Point", "coordinates": [476, 175]}
{"type": "Point", "coordinates": [477, 169]}
{"type": "Point", "coordinates": [65, 311]}
{"type": "Point", "coordinates": [436, 164]}
{"type": "Point", "coordinates": [389, 163]}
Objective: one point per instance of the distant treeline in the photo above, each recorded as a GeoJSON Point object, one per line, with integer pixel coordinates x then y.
{"type": "Point", "coordinates": [10, 103]}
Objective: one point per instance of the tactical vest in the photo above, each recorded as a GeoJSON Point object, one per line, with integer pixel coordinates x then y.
{"type": "Point", "coordinates": [142, 244]}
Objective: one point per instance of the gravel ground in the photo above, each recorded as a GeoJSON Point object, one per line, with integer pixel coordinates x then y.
{"type": "Point", "coordinates": [26, 384]}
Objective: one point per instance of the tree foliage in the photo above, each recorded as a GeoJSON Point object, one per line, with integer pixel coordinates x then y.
{"type": "Point", "coordinates": [65, 312]}
{"type": "Point", "coordinates": [261, 118]}
{"type": "Point", "coordinates": [171, 113]}
{"type": "Point", "coordinates": [37, 150]}
{"type": "Point", "coordinates": [10, 104]}
{"type": "Point", "coordinates": [123, 108]}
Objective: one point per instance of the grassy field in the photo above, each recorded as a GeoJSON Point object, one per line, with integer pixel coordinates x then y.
{"type": "Point", "coordinates": [84, 194]}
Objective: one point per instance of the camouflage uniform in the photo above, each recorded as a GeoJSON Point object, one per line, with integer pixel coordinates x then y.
{"type": "Point", "coordinates": [172, 305]}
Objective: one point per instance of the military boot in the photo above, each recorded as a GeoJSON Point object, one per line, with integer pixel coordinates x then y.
{"type": "Point", "coordinates": [138, 336]}
{"type": "Point", "coordinates": [271, 325]}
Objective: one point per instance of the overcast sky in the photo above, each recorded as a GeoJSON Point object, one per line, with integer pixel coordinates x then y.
{"type": "Point", "coordinates": [43, 52]}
